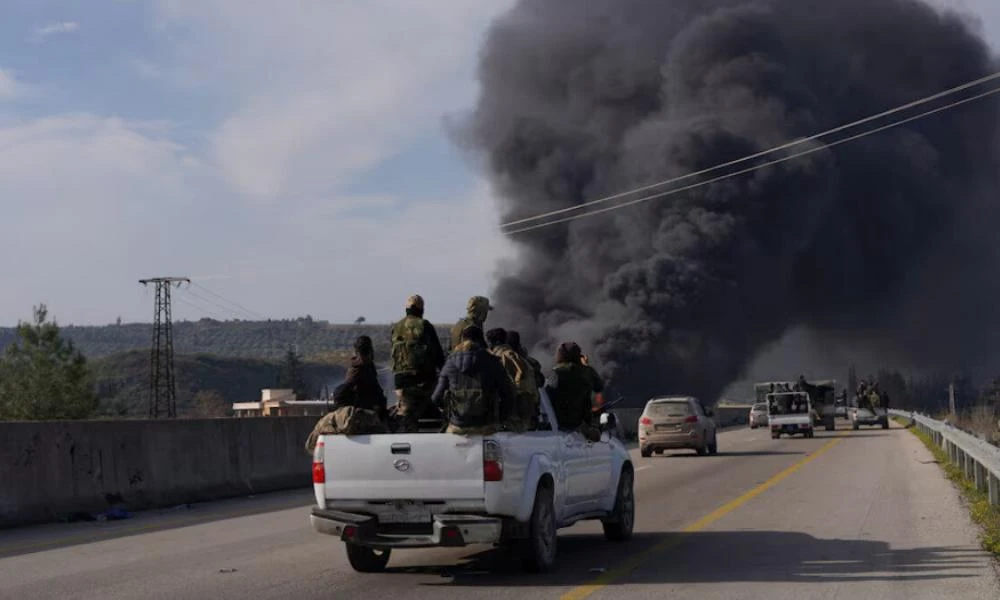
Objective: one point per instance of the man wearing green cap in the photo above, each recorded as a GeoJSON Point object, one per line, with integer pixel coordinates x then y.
{"type": "Point", "coordinates": [478, 309]}
{"type": "Point", "coordinates": [416, 358]}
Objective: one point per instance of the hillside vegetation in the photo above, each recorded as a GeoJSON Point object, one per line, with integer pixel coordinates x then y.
{"type": "Point", "coordinates": [240, 339]}
{"type": "Point", "coordinates": [206, 385]}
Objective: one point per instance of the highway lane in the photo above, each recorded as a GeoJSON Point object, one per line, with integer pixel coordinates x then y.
{"type": "Point", "coordinates": [866, 516]}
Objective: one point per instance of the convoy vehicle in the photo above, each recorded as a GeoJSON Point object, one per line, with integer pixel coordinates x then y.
{"type": "Point", "coordinates": [676, 422]}
{"type": "Point", "coordinates": [863, 415]}
{"type": "Point", "coordinates": [791, 413]}
{"type": "Point", "coordinates": [758, 415]}
{"type": "Point", "coordinates": [383, 492]}
{"type": "Point", "coordinates": [822, 397]}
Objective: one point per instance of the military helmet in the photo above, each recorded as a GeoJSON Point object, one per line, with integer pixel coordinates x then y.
{"type": "Point", "coordinates": [415, 301]}
{"type": "Point", "coordinates": [478, 303]}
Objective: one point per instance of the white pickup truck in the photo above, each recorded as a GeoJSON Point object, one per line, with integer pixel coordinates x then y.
{"type": "Point", "coordinates": [791, 413]}
{"type": "Point", "coordinates": [418, 490]}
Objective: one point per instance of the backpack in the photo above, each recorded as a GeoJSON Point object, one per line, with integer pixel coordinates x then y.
{"type": "Point", "coordinates": [469, 405]}
{"type": "Point", "coordinates": [409, 351]}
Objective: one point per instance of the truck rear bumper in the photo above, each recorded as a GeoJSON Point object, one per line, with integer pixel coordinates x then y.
{"type": "Point", "coordinates": [444, 530]}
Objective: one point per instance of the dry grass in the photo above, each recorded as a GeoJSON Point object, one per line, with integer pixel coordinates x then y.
{"type": "Point", "coordinates": [983, 513]}
{"type": "Point", "coordinates": [981, 420]}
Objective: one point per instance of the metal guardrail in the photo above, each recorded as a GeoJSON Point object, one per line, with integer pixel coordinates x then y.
{"type": "Point", "coordinates": [979, 459]}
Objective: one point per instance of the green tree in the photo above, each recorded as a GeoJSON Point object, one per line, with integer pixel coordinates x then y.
{"type": "Point", "coordinates": [208, 404]}
{"type": "Point", "coordinates": [292, 376]}
{"type": "Point", "coordinates": [43, 376]}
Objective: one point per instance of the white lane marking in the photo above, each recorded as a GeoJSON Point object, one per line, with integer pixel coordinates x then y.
{"type": "Point", "coordinates": [641, 468]}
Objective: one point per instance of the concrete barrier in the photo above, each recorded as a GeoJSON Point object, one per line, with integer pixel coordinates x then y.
{"type": "Point", "coordinates": [49, 469]}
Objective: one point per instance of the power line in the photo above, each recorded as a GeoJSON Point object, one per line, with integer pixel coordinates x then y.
{"type": "Point", "coordinates": [784, 146]}
{"type": "Point", "coordinates": [162, 386]}
{"type": "Point", "coordinates": [757, 167]}
{"type": "Point", "coordinates": [228, 310]}
{"type": "Point", "coordinates": [272, 338]}
{"type": "Point", "coordinates": [200, 308]}
{"type": "Point", "coordinates": [233, 302]}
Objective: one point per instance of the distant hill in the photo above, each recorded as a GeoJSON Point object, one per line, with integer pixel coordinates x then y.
{"type": "Point", "coordinates": [240, 339]}
{"type": "Point", "coordinates": [123, 380]}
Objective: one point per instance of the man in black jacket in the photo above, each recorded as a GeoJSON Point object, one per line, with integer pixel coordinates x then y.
{"type": "Point", "coordinates": [473, 390]}
{"type": "Point", "coordinates": [359, 403]}
{"type": "Point", "coordinates": [361, 387]}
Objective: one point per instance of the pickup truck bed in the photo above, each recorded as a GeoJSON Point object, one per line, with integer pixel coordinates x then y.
{"type": "Point", "coordinates": [398, 491]}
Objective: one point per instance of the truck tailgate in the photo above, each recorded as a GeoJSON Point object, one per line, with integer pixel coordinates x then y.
{"type": "Point", "coordinates": [418, 466]}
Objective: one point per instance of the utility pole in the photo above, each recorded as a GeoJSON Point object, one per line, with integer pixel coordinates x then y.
{"type": "Point", "coordinates": [162, 388]}
{"type": "Point", "coordinates": [951, 398]}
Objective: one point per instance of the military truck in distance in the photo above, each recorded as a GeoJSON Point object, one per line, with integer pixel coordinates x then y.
{"type": "Point", "coordinates": [822, 396]}
{"type": "Point", "coordinates": [791, 413]}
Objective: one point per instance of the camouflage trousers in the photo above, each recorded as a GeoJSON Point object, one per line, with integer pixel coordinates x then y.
{"type": "Point", "coordinates": [411, 404]}
{"type": "Point", "coordinates": [346, 420]}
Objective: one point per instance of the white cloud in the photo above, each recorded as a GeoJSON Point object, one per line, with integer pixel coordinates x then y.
{"type": "Point", "coordinates": [311, 94]}
{"type": "Point", "coordinates": [57, 28]}
{"type": "Point", "coordinates": [11, 88]}
{"type": "Point", "coordinates": [92, 204]}
{"type": "Point", "coordinates": [326, 89]}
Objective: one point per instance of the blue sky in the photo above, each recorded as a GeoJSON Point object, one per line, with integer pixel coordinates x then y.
{"type": "Point", "coordinates": [290, 156]}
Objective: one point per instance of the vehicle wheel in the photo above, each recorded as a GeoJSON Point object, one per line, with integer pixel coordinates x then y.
{"type": "Point", "coordinates": [659, 451]}
{"type": "Point", "coordinates": [713, 448]}
{"type": "Point", "coordinates": [645, 452]}
{"type": "Point", "coordinates": [540, 547]}
{"type": "Point", "coordinates": [367, 560]}
{"type": "Point", "coordinates": [703, 449]}
{"type": "Point", "coordinates": [620, 528]}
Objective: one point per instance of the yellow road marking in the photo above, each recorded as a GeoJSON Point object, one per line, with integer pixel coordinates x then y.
{"type": "Point", "coordinates": [632, 563]}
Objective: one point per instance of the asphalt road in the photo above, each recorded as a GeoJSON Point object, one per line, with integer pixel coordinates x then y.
{"type": "Point", "coordinates": [845, 515]}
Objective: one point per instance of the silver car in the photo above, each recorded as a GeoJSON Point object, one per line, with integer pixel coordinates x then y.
{"type": "Point", "coordinates": [676, 422]}
{"type": "Point", "coordinates": [758, 415]}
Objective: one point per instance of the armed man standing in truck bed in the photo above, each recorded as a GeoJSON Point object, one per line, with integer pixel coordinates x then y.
{"type": "Point", "coordinates": [417, 357]}
{"type": "Point", "coordinates": [474, 391]}
{"type": "Point", "coordinates": [477, 309]}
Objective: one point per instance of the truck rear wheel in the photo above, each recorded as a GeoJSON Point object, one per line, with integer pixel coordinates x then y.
{"type": "Point", "coordinates": [618, 527]}
{"type": "Point", "coordinates": [367, 560]}
{"type": "Point", "coordinates": [540, 547]}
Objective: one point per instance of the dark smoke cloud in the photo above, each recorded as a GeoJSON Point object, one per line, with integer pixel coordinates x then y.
{"type": "Point", "coordinates": [883, 242]}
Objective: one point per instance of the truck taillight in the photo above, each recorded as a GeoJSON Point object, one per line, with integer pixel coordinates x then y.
{"type": "Point", "coordinates": [691, 419]}
{"type": "Point", "coordinates": [645, 421]}
{"type": "Point", "coordinates": [492, 461]}
{"type": "Point", "coordinates": [319, 469]}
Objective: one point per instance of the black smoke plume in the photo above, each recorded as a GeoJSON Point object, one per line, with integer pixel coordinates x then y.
{"type": "Point", "coordinates": [884, 243]}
